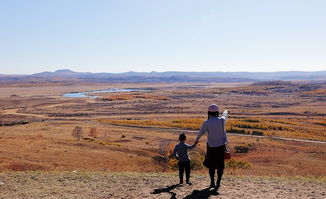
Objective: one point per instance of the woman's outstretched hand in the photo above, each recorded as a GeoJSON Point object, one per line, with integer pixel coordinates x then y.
{"type": "Point", "coordinates": [226, 111]}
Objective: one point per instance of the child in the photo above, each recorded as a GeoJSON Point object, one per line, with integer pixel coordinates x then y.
{"type": "Point", "coordinates": [181, 153]}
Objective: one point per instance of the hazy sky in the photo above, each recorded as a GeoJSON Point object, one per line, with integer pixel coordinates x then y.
{"type": "Point", "coordinates": [162, 35]}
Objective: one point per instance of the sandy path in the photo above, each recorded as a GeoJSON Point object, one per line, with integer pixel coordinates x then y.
{"type": "Point", "coordinates": [86, 185]}
{"type": "Point", "coordinates": [14, 111]}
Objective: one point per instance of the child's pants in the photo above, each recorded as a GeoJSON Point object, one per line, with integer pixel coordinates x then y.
{"type": "Point", "coordinates": [184, 166]}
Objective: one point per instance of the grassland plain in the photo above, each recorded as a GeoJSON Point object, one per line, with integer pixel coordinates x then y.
{"type": "Point", "coordinates": [50, 146]}
{"type": "Point", "coordinates": [36, 127]}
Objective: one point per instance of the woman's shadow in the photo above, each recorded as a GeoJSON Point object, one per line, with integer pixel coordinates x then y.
{"type": "Point", "coordinates": [202, 194]}
{"type": "Point", "coordinates": [196, 194]}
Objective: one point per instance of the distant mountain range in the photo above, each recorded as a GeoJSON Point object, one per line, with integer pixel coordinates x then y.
{"type": "Point", "coordinates": [66, 76]}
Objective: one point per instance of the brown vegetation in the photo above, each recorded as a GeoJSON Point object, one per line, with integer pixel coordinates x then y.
{"type": "Point", "coordinates": [123, 143]}
{"type": "Point", "coordinates": [93, 132]}
{"type": "Point", "coordinates": [77, 133]}
{"type": "Point", "coordinates": [117, 97]}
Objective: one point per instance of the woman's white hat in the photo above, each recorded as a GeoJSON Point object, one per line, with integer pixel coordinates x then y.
{"type": "Point", "coordinates": [213, 108]}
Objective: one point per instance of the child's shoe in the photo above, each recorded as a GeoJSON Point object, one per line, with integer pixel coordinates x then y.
{"type": "Point", "coordinates": [180, 183]}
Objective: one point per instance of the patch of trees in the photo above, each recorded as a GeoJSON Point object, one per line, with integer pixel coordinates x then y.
{"type": "Point", "coordinates": [68, 114]}
{"type": "Point", "coordinates": [20, 122]}
{"type": "Point", "coordinates": [78, 133]}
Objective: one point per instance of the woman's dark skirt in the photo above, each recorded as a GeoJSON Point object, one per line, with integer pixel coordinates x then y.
{"type": "Point", "coordinates": [214, 157]}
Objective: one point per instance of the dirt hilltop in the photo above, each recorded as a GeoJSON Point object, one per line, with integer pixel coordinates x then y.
{"type": "Point", "coordinates": [150, 185]}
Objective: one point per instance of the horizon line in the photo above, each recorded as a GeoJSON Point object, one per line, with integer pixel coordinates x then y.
{"type": "Point", "coordinates": [165, 72]}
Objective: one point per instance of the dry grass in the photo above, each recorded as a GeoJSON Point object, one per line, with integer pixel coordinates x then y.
{"type": "Point", "coordinates": [191, 123]}
{"type": "Point", "coordinates": [281, 128]}
{"type": "Point", "coordinates": [45, 143]}
{"type": "Point", "coordinates": [119, 97]}
{"type": "Point", "coordinates": [50, 146]}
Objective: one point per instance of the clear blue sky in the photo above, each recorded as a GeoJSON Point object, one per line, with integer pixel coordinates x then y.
{"type": "Point", "coordinates": [162, 35]}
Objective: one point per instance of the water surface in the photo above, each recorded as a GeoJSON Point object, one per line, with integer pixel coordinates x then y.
{"type": "Point", "coordinates": [110, 90]}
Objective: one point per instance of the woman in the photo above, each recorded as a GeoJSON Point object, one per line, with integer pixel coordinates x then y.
{"type": "Point", "coordinates": [216, 141]}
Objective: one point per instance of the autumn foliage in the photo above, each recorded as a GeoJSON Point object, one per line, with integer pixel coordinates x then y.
{"type": "Point", "coordinates": [77, 133]}
{"type": "Point", "coordinates": [93, 132]}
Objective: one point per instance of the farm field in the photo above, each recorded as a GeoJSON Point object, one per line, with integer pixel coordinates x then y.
{"type": "Point", "coordinates": [135, 131]}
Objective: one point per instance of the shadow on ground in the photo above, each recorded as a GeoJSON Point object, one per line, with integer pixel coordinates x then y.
{"type": "Point", "coordinates": [196, 194]}
{"type": "Point", "coordinates": [167, 190]}
{"type": "Point", "coordinates": [201, 194]}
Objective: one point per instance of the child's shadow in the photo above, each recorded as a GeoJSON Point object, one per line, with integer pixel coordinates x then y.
{"type": "Point", "coordinates": [167, 190]}
{"type": "Point", "coordinates": [201, 194]}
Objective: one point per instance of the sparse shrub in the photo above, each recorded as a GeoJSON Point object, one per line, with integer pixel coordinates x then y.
{"type": "Point", "coordinates": [172, 164]}
{"type": "Point", "coordinates": [93, 132]}
{"type": "Point", "coordinates": [123, 136]}
{"type": "Point", "coordinates": [241, 149]}
{"type": "Point", "coordinates": [196, 161]}
{"type": "Point", "coordinates": [119, 97]}
{"type": "Point", "coordinates": [77, 132]}
{"type": "Point", "coordinates": [238, 131]}
{"type": "Point", "coordinates": [166, 148]}
{"type": "Point", "coordinates": [88, 139]}
{"type": "Point", "coordinates": [244, 125]}
{"type": "Point", "coordinates": [138, 137]}
{"type": "Point", "coordinates": [237, 164]}
{"type": "Point", "coordinates": [257, 133]}
{"type": "Point", "coordinates": [323, 123]}
{"type": "Point", "coordinates": [24, 166]}
{"type": "Point", "coordinates": [116, 97]}
{"type": "Point", "coordinates": [149, 96]}
{"type": "Point", "coordinates": [252, 145]}
{"type": "Point", "coordinates": [191, 123]}
{"type": "Point", "coordinates": [255, 124]}
{"type": "Point", "coordinates": [251, 120]}
{"type": "Point", "coordinates": [160, 159]}
{"type": "Point", "coordinates": [20, 122]}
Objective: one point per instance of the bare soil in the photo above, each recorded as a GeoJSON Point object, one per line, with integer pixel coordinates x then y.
{"type": "Point", "coordinates": [86, 185]}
